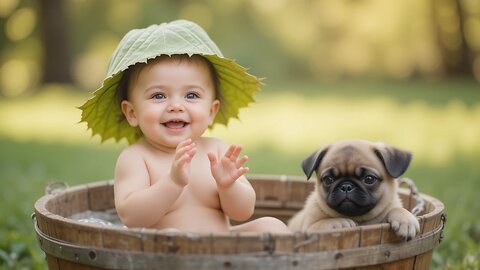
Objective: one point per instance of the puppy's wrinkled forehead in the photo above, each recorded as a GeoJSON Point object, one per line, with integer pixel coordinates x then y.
{"type": "Point", "coordinates": [347, 157]}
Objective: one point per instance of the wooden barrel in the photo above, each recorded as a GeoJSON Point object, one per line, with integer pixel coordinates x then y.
{"type": "Point", "coordinates": [71, 244]}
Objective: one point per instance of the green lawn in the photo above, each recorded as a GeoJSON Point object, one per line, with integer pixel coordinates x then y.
{"type": "Point", "coordinates": [40, 141]}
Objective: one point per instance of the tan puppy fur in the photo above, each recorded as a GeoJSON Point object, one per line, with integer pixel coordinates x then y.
{"type": "Point", "coordinates": [356, 185]}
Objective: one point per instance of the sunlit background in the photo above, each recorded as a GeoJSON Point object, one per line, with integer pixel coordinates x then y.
{"type": "Point", "coordinates": [324, 40]}
{"type": "Point", "coordinates": [403, 72]}
{"type": "Point", "coordinates": [311, 42]}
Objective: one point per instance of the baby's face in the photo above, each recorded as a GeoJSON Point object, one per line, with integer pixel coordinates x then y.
{"type": "Point", "coordinates": [171, 100]}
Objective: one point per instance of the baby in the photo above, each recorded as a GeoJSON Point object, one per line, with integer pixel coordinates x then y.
{"type": "Point", "coordinates": [171, 177]}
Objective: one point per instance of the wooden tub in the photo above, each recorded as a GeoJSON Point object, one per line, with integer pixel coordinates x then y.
{"type": "Point", "coordinates": [71, 244]}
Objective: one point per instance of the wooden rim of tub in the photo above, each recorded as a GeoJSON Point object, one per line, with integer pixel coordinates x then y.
{"type": "Point", "coordinates": [71, 244]}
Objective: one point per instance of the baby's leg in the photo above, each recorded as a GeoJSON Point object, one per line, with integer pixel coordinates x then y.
{"type": "Point", "coordinates": [169, 230]}
{"type": "Point", "coordinates": [264, 224]}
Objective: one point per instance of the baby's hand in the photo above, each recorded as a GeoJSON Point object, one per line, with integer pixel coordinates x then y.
{"type": "Point", "coordinates": [181, 164]}
{"type": "Point", "coordinates": [229, 168]}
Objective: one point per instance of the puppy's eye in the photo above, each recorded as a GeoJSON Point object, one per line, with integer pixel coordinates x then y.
{"type": "Point", "coordinates": [328, 180]}
{"type": "Point", "coordinates": [370, 179]}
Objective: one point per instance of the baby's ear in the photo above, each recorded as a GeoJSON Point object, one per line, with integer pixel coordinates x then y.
{"type": "Point", "coordinates": [129, 112]}
{"type": "Point", "coordinates": [214, 110]}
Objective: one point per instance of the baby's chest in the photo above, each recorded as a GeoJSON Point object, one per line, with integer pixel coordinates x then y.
{"type": "Point", "coordinates": [201, 188]}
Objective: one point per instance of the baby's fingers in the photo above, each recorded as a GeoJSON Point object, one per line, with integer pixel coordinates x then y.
{"type": "Point", "coordinates": [184, 143]}
{"type": "Point", "coordinates": [186, 157]}
{"type": "Point", "coordinates": [233, 152]}
{"type": "Point", "coordinates": [244, 170]}
{"type": "Point", "coordinates": [241, 171]}
{"type": "Point", "coordinates": [184, 148]}
{"type": "Point", "coordinates": [230, 151]}
{"type": "Point", "coordinates": [241, 162]}
{"type": "Point", "coordinates": [213, 158]}
{"type": "Point", "coordinates": [236, 152]}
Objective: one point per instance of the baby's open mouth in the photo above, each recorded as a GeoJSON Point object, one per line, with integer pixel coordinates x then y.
{"type": "Point", "coordinates": [175, 124]}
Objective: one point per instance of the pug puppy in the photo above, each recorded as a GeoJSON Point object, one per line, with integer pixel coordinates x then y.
{"type": "Point", "coordinates": [356, 185]}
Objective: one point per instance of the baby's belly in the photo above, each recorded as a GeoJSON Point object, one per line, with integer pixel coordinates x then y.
{"type": "Point", "coordinates": [195, 219]}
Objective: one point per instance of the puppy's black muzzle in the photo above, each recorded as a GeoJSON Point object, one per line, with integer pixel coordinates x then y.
{"type": "Point", "coordinates": [350, 199]}
{"type": "Point", "coordinates": [347, 187]}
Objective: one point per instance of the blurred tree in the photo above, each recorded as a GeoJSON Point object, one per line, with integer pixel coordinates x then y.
{"type": "Point", "coordinates": [56, 50]}
{"type": "Point", "coordinates": [327, 40]}
{"type": "Point", "coordinates": [449, 20]}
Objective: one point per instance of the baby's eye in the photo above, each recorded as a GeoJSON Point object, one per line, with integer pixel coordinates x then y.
{"type": "Point", "coordinates": [192, 95]}
{"type": "Point", "coordinates": [158, 96]}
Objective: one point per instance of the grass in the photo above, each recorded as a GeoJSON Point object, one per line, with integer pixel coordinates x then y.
{"type": "Point", "coordinates": [40, 141]}
{"type": "Point", "coordinates": [26, 169]}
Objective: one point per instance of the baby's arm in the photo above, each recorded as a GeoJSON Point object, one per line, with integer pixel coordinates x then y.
{"type": "Point", "coordinates": [237, 196]}
{"type": "Point", "coordinates": [140, 204]}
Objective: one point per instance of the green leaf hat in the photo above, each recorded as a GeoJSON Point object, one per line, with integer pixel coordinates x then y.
{"type": "Point", "coordinates": [103, 113]}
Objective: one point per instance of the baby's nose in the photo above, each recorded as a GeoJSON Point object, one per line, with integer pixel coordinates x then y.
{"type": "Point", "coordinates": [175, 106]}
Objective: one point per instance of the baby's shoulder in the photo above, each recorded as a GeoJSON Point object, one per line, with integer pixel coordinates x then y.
{"type": "Point", "coordinates": [133, 151]}
{"type": "Point", "coordinates": [213, 143]}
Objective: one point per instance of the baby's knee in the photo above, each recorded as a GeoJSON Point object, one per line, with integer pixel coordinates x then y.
{"type": "Point", "coordinates": [170, 230]}
{"type": "Point", "coordinates": [272, 224]}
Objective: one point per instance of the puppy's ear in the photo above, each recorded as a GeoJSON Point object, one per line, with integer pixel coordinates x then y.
{"type": "Point", "coordinates": [310, 164]}
{"type": "Point", "coordinates": [396, 161]}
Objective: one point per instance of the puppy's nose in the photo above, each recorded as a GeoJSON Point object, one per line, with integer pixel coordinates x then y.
{"type": "Point", "coordinates": [347, 187]}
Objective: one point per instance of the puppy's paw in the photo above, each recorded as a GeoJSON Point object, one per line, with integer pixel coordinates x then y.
{"type": "Point", "coordinates": [403, 223]}
{"type": "Point", "coordinates": [332, 223]}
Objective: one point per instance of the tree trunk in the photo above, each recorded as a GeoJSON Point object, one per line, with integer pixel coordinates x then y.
{"type": "Point", "coordinates": [458, 61]}
{"type": "Point", "coordinates": [56, 50]}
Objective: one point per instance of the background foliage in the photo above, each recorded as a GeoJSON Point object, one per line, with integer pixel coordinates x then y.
{"type": "Point", "coordinates": [327, 40]}
{"type": "Point", "coordinates": [403, 72]}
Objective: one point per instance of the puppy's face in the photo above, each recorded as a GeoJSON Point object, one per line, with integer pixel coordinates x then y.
{"type": "Point", "coordinates": [354, 176]}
